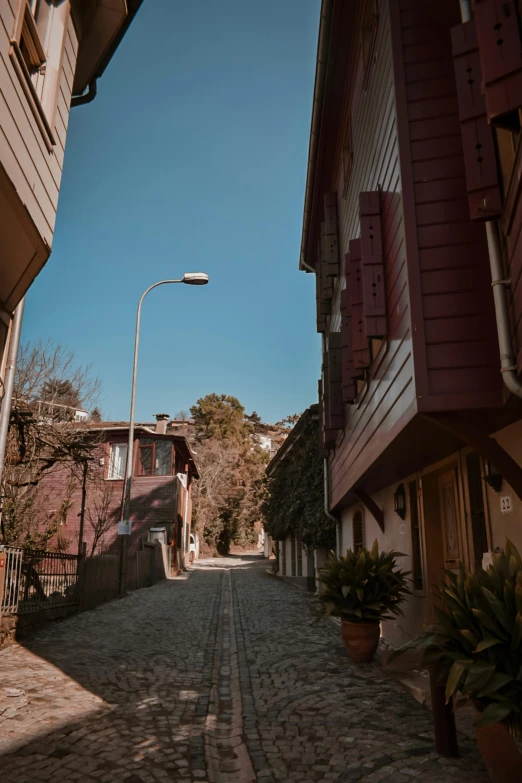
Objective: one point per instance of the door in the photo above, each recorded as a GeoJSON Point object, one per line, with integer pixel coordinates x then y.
{"type": "Point", "coordinates": [450, 519]}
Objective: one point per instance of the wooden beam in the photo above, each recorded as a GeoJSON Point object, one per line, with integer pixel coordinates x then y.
{"type": "Point", "coordinates": [376, 512]}
{"type": "Point", "coordinates": [476, 436]}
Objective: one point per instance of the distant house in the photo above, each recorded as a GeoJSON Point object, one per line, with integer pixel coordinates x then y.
{"type": "Point", "coordinates": [161, 505]}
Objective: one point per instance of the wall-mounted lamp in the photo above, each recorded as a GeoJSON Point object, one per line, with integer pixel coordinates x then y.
{"type": "Point", "coordinates": [492, 476]}
{"type": "Point", "coordinates": [399, 501]}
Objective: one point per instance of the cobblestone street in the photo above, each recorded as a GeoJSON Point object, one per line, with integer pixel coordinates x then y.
{"type": "Point", "coordinates": [218, 676]}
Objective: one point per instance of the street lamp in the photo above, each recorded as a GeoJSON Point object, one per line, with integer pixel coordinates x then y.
{"type": "Point", "coordinates": [189, 278]}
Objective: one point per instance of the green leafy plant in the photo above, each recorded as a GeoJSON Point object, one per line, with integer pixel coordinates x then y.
{"type": "Point", "coordinates": [364, 586]}
{"type": "Point", "coordinates": [477, 643]}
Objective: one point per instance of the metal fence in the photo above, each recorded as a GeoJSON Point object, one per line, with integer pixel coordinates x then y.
{"type": "Point", "coordinates": [37, 580]}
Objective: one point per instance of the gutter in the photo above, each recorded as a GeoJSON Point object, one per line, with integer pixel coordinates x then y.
{"type": "Point", "coordinates": [508, 364]}
{"type": "Point", "coordinates": [317, 108]}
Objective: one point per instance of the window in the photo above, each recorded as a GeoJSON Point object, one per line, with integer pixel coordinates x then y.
{"type": "Point", "coordinates": [37, 44]}
{"type": "Point", "coordinates": [358, 530]}
{"type": "Point", "coordinates": [35, 20]}
{"type": "Point", "coordinates": [117, 461]}
{"type": "Point", "coordinates": [155, 457]}
{"type": "Point", "coordinates": [415, 537]}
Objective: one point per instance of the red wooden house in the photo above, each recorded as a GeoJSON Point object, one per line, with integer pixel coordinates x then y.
{"type": "Point", "coordinates": [164, 469]}
{"type": "Point", "coordinates": [412, 201]}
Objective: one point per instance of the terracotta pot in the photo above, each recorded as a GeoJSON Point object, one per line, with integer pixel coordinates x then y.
{"type": "Point", "coordinates": [500, 753]}
{"type": "Point", "coordinates": [361, 640]}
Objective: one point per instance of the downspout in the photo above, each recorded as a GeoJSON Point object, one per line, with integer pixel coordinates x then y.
{"type": "Point", "coordinates": [88, 97]}
{"type": "Point", "coordinates": [10, 372]}
{"type": "Point", "coordinates": [338, 532]}
{"type": "Point", "coordinates": [508, 365]}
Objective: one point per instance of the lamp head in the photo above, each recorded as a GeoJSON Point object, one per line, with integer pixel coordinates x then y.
{"type": "Point", "coordinates": [195, 278]}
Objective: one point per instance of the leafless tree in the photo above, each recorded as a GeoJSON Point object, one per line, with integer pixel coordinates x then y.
{"type": "Point", "coordinates": [100, 516]}
{"type": "Point", "coordinates": [40, 441]}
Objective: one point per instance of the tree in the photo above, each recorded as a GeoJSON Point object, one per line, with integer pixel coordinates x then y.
{"type": "Point", "coordinates": [219, 416]}
{"type": "Point", "coordinates": [226, 497]}
{"type": "Point", "coordinates": [182, 416]}
{"type": "Point", "coordinates": [99, 516]}
{"type": "Point", "coordinates": [96, 415]}
{"type": "Point", "coordinates": [39, 442]}
{"type": "Point", "coordinates": [61, 392]}
{"type": "Point", "coordinates": [289, 421]}
{"type": "Point", "coordinates": [48, 372]}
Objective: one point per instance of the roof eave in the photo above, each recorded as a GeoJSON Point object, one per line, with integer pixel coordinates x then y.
{"type": "Point", "coordinates": [325, 26]}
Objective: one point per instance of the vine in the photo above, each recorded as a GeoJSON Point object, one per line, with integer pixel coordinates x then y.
{"type": "Point", "coordinates": [294, 503]}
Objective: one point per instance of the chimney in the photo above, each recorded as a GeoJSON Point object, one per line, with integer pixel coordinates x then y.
{"type": "Point", "coordinates": [161, 422]}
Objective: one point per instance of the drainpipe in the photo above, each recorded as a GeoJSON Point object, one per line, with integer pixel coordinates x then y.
{"type": "Point", "coordinates": [10, 371]}
{"type": "Point", "coordinates": [88, 97]}
{"type": "Point", "coordinates": [508, 365]}
{"type": "Point", "coordinates": [338, 531]}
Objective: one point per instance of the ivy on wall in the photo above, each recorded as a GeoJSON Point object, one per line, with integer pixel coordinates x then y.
{"type": "Point", "coordinates": [294, 503]}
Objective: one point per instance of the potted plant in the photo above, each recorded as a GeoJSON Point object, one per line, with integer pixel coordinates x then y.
{"type": "Point", "coordinates": [476, 648]}
{"type": "Point", "coordinates": [363, 588]}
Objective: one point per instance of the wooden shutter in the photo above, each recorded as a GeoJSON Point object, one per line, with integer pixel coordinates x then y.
{"type": "Point", "coordinates": [347, 371]}
{"type": "Point", "coordinates": [482, 178]}
{"type": "Point", "coordinates": [360, 345]}
{"type": "Point", "coordinates": [324, 290]}
{"type": "Point", "coordinates": [329, 239]}
{"type": "Point", "coordinates": [372, 265]}
{"type": "Point", "coordinates": [500, 55]}
{"type": "Point", "coordinates": [335, 383]}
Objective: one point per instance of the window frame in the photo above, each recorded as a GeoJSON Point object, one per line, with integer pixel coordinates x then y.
{"type": "Point", "coordinates": [151, 444]}
{"type": "Point", "coordinates": [26, 24]}
{"type": "Point", "coordinates": [120, 444]}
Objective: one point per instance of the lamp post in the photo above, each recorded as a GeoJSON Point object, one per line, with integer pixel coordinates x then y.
{"type": "Point", "coordinates": [189, 278]}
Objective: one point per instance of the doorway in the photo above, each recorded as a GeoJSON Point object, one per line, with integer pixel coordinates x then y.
{"type": "Point", "coordinates": [443, 526]}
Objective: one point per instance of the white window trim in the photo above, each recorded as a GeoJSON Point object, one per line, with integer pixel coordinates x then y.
{"type": "Point", "coordinates": [111, 462]}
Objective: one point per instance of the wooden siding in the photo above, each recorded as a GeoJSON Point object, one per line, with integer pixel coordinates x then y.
{"type": "Point", "coordinates": [387, 403]}
{"type": "Point", "coordinates": [155, 501]}
{"type": "Point", "coordinates": [34, 172]}
{"type": "Point", "coordinates": [448, 257]}
{"type": "Point", "coordinates": [512, 228]}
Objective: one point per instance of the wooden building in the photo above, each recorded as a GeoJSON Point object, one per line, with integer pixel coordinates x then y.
{"type": "Point", "coordinates": [164, 469]}
{"type": "Point", "coordinates": [51, 54]}
{"type": "Point", "coordinates": [413, 191]}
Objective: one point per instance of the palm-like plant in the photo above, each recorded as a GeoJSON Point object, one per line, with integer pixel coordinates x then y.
{"type": "Point", "coordinates": [364, 586]}
{"type": "Point", "coordinates": [477, 644]}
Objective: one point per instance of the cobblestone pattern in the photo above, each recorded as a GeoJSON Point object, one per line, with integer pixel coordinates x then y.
{"type": "Point", "coordinates": [221, 677]}
{"type": "Point", "coordinates": [310, 715]}
{"type": "Point", "coordinates": [120, 693]}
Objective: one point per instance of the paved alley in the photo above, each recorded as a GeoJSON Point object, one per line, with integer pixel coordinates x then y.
{"type": "Point", "coordinates": [218, 676]}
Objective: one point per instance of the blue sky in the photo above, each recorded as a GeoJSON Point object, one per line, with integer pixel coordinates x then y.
{"type": "Point", "coordinates": [192, 158]}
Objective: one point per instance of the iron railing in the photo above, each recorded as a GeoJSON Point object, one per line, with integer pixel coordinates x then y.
{"type": "Point", "coordinates": [36, 580]}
